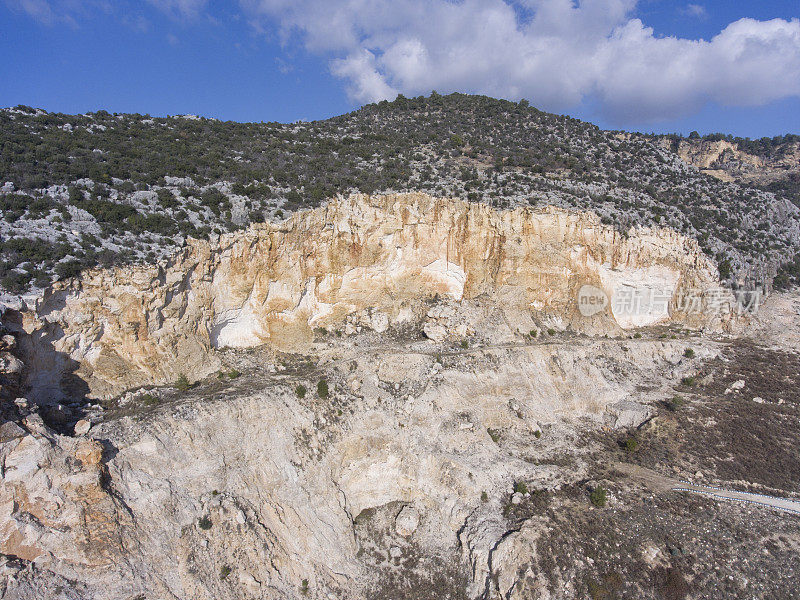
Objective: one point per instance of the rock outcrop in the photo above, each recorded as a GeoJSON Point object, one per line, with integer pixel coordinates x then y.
{"type": "Point", "coordinates": [394, 485]}
{"type": "Point", "coordinates": [726, 161]}
{"type": "Point", "coordinates": [359, 260]}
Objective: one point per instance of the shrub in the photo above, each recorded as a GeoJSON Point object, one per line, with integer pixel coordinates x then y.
{"type": "Point", "coordinates": [322, 389]}
{"type": "Point", "coordinates": [689, 381]}
{"type": "Point", "coordinates": [183, 383]}
{"type": "Point", "coordinates": [675, 403]}
{"type": "Point", "coordinates": [300, 390]}
{"type": "Point", "coordinates": [688, 353]}
{"type": "Point", "coordinates": [304, 586]}
{"type": "Point", "coordinates": [464, 344]}
{"type": "Point", "coordinates": [224, 572]}
{"type": "Point", "coordinates": [520, 487]}
{"type": "Point", "coordinates": [551, 331]}
{"type": "Point", "coordinates": [484, 496]}
{"type": "Point", "coordinates": [534, 333]}
{"type": "Point", "coordinates": [204, 522]}
{"type": "Point", "coordinates": [598, 497]}
{"type": "Point", "coordinates": [725, 269]}
{"type": "Point", "coordinates": [149, 399]}
{"type": "Point", "coordinates": [70, 268]}
{"type": "Point", "coordinates": [233, 373]}
{"type": "Point", "coordinates": [631, 444]}
{"type": "Point", "coordinates": [494, 434]}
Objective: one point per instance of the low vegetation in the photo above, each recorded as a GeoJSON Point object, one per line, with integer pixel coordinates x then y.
{"type": "Point", "coordinates": [598, 496]}
{"type": "Point", "coordinates": [100, 189]}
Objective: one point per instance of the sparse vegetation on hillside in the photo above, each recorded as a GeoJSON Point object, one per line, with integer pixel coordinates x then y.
{"type": "Point", "coordinates": [100, 188]}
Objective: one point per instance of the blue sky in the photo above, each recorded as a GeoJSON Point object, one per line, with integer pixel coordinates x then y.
{"type": "Point", "coordinates": [283, 60]}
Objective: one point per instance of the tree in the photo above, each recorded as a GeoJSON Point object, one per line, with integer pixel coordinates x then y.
{"type": "Point", "coordinates": [598, 497]}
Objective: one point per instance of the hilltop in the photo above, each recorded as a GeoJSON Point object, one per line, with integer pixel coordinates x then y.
{"type": "Point", "coordinates": [101, 188]}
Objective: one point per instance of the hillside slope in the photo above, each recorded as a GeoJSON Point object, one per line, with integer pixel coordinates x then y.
{"type": "Point", "coordinates": [82, 190]}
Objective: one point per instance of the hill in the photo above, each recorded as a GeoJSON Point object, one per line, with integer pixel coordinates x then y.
{"type": "Point", "coordinates": [101, 188]}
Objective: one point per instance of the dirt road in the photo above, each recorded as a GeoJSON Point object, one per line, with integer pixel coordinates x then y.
{"type": "Point", "coordinates": [660, 483]}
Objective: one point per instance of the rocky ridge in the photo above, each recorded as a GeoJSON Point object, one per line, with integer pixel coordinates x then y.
{"type": "Point", "coordinates": [393, 396]}
{"type": "Point", "coordinates": [376, 261]}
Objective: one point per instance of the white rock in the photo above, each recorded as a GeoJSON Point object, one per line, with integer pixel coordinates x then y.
{"type": "Point", "coordinates": [627, 414]}
{"type": "Point", "coordinates": [82, 427]}
{"type": "Point", "coordinates": [435, 332]}
{"type": "Point", "coordinates": [735, 386]}
{"type": "Point", "coordinates": [407, 521]}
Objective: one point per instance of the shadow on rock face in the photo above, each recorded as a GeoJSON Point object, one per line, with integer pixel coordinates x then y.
{"type": "Point", "coordinates": [48, 379]}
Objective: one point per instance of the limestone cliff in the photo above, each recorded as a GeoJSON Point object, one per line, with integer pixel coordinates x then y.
{"type": "Point", "coordinates": [375, 259]}
{"type": "Point", "coordinates": [725, 160]}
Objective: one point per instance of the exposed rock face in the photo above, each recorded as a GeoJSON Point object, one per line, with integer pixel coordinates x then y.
{"type": "Point", "coordinates": [375, 259]}
{"type": "Point", "coordinates": [250, 491]}
{"type": "Point", "coordinates": [726, 161]}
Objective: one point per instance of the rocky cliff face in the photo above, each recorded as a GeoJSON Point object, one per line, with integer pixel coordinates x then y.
{"type": "Point", "coordinates": [409, 399]}
{"type": "Point", "coordinates": [727, 161]}
{"type": "Point", "coordinates": [358, 261]}
{"type": "Point", "coordinates": [394, 485]}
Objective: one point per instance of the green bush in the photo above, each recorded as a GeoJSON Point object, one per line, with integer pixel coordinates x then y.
{"type": "Point", "coordinates": [300, 390]}
{"type": "Point", "coordinates": [494, 434]}
{"type": "Point", "coordinates": [598, 497]}
{"type": "Point", "coordinates": [631, 444]}
{"type": "Point", "coordinates": [520, 487]}
{"type": "Point", "coordinates": [224, 572]}
{"type": "Point", "coordinates": [322, 389]}
{"type": "Point", "coordinates": [689, 381]}
{"type": "Point", "coordinates": [149, 399]}
{"type": "Point", "coordinates": [551, 331]}
{"type": "Point", "coordinates": [182, 383]}
{"type": "Point", "coordinates": [675, 403]}
{"type": "Point", "coordinates": [204, 522]}
{"type": "Point", "coordinates": [688, 353]}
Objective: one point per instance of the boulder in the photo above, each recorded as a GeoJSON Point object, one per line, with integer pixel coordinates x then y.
{"type": "Point", "coordinates": [435, 332]}
{"type": "Point", "coordinates": [10, 431]}
{"type": "Point", "coordinates": [407, 521]}
{"type": "Point", "coordinates": [626, 413]}
{"type": "Point", "coordinates": [82, 427]}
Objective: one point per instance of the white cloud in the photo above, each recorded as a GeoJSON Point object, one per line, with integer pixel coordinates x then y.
{"type": "Point", "coordinates": [53, 12]}
{"type": "Point", "coordinates": [556, 53]}
{"type": "Point", "coordinates": [38, 9]}
{"type": "Point", "coordinates": [695, 10]}
{"type": "Point", "coordinates": [365, 81]}
{"type": "Point", "coordinates": [182, 9]}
